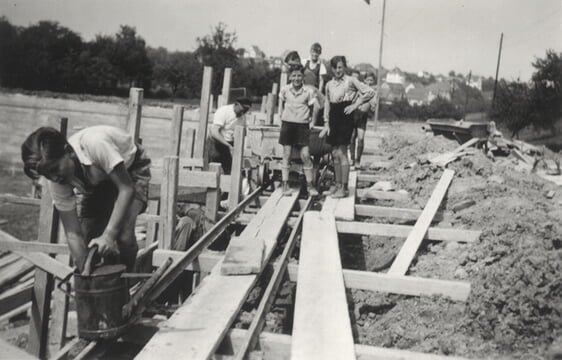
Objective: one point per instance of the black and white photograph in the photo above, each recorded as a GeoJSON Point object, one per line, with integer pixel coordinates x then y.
{"type": "Point", "coordinates": [280, 179]}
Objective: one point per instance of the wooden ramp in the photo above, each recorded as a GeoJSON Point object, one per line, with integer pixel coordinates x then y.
{"type": "Point", "coordinates": [198, 326]}
{"type": "Point", "coordinates": [343, 209]}
{"type": "Point", "coordinates": [322, 328]}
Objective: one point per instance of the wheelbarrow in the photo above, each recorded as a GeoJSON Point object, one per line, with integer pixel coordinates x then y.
{"type": "Point", "coordinates": [104, 306]}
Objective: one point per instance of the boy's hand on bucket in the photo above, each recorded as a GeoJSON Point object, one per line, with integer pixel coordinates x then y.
{"type": "Point", "coordinates": [106, 245]}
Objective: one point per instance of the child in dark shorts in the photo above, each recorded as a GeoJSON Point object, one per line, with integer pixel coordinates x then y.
{"type": "Point", "coordinates": [360, 118]}
{"type": "Point", "coordinates": [296, 100]}
{"type": "Point", "coordinates": [344, 94]}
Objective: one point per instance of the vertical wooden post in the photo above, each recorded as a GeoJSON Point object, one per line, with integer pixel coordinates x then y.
{"type": "Point", "coordinates": [211, 102]}
{"type": "Point", "coordinates": [283, 83]}
{"type": "Point", "coordinates": [263, 108]}
{"type": "Point", "coordinates": [152, 226]}
{"type": "Point", "coordinates": [236, 173]}
{"type": "Point", "coordinates": [135, 111]}
{"type": "Point", "coordinates": [189, 142]}
{"type": "Point", "coordinates": [213, 195]}
{"type": "Point", "coordinates": [43, 285]}
{"type": "Point", "coordinates": [226, 86]}
{"type": "Point", "coordinates": [275, 88]}
{"type": "Point", "coordinates": [201, 134]}
{"type": "Point", "coordinates": [270, 111]}
{"type": "Point", "coordinates": [177, 122]}
{"type": "Point", "coordinates": [168, 200]}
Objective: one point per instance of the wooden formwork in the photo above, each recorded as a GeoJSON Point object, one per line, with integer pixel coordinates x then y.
{"type": "Point", "coordinates": [48, 337]}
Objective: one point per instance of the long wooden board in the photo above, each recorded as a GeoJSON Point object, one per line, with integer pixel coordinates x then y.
{"type": "Point", "coordinates": [388, 212]}
{"type": "Point", "coordinates": [197, 328]}
{"type": "Point", "coordinates": [439, 234]}
{"type": "Point", "coordinates": [412, 243]}
{"type": "Point", "coordinates": [321, 328]}
{"type": "Point", "coordinates": [354, 279]}
{"type": "Point", "coordinates": [277, 347]}
{"type": "Point", "coordinates": [343, 209]}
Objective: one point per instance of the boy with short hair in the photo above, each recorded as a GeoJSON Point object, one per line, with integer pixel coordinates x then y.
{"type": "Point", "coordinates": [296, 100]}
{"type": "Point", "coordinates": [315, 74]}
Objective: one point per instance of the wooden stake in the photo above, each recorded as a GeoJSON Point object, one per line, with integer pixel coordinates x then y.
{"type": "Point", "coordinates": [168, 200]}
{"type": "Point", "coordinates": [201, 134]}
{"type": "Point", "coordinates": [135, 111]}
{"type": "Point", "coordinates": [213, 195]}
{"type": "Point", "coordinates": [236, 174]}
{"type": "Point", "coordinates": [226, 86]}
{"type": "Point", "coordinates": [177, 122]}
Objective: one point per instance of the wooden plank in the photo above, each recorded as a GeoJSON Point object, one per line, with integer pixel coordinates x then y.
{"type": "Point", "coordinates": [16, 297]}
{"type": "Point", "coordinates": [152, 226]}
{"type": "Point", "coordinates": [177, 122]}
{"type": "Point", "coordinates": [134, 112]}
{"type": "Point", "coordinates": [321, 291]}
{"type": "Point", "coordinates": [213, 198]}
{"type": "Point", "coordinates": [33, 246]}
{"type": "Point", "coordinates": [392, 212]}
{"type": "Point", "coordinates": [445, 158]}
{"type": "Point", "coordinates": [207, 314]}
{"type": "Point", "coordinates": [263, 107]}
{"type": "Point", "coordinates": [11, 273]}
{"type": "Point", "coordinates": [382, 195]}
{"type": "Point", "coordinates": [189, 178]}
{"type": "Point", "coordinates": [168, 201]}
{"type": "Point", "coordinates": [278, 347]}
{"type": "Point", "coordinates": [227, 79]}
{"type": "Point", "coordinates": [225, 183]}
{"type": "Point", "coordinates": [10, 351]}
{"type": "Point", "coordinates": [42, 261]}
{"type": "Point", "coordinates": [243, 256]}
{"type": "Point", "coordinates": [439, 234]}
{"type": "Point", "coordinates": [189, 143]}
{"type": "Point", "coordinates": [59, 306]}
{"type": "Point", "coordinates": [354, 279]}
{"type": "Point", "coordinates": [270, 109]}
{"type": "Point", "coordinates": [24, 200]}
{"type": "Point", "coordinates": [272, 288]}
{"type": "Point", "coordinates": [201, 134]}
{"type": "Point", "coordinates": [343, 209]}
{"type": "Point", "coordinates": [44, 282]}
{"type": "Point", "coordinates": [412, 243]}
{"type": "Point", "coordinates": [236, 174]}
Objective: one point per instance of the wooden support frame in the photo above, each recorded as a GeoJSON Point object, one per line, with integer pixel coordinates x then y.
{"type": "Point", "coordinates": [278, 346]}
{"type": "Point", "coordinates": [201, 134]}
{"type": "Point", "coordinates": [135, 112]}
{"type": "Point", "coordinates": [168, 201]}
{"type": "Point", "coordinates": [412, 243]}
{"type": "Point", "coordinates": [177, 123]}
{"type": "Point", "coordinates": [392, 212]}
{"type": "Point", "coordinates": [354, 279]}
{"type": "Point", "coordinates": [224, 99]}
{"type": "Point", "coordinates": [213, 198]}
{"type": "Point", "coordinates": [236, 173]}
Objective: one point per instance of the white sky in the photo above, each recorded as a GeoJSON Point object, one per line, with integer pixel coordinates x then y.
{"type": "Point", "coordinates": [433, 35]}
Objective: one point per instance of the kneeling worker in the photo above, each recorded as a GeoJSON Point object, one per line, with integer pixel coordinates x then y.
{"type": "Point", "coordinates": [98, 180]}
{"type": "Point", "coordinates": [221, 134]}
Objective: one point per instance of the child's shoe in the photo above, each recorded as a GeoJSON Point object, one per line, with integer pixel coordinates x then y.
{"type": "Point", "coordinates": [311, 190]}
{"type": "Point", "coordinates": [340, 193]}
{"type": "Point", "coordinates": [333, 188]}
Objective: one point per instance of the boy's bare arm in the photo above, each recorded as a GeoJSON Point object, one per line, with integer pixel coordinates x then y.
{"type": "Point", "coordinates": [74, 237]}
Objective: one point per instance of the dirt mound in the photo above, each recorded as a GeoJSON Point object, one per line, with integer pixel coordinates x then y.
{"type": "Point", "coordinates": [515, 306]}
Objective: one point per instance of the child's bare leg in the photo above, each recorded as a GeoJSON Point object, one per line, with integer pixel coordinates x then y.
{"type": "Point", "coordinates": [352, 147]}
{"type": "Point", "coordinates": [308, 170]}
{"type": "Point", "coordinates": [285, 167]}
{"type": "Point", "coordinates": [360, 145]}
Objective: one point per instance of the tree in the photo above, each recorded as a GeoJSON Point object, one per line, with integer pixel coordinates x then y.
{"type": "Point", "coordinates": [130, 58]}
{"type": "Point", "coordinates": [176, 72]}
{"type": "Point", "coordinates": [512, 106]}
{"type": "Point", "coordinates": [10, 50]}
{"type": "Point", "coordinates": [546, 93]}
{"type": "Point", "coordinates": [217, 50]}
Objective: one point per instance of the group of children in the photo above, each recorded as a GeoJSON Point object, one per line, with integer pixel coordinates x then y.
{"type": "Point", "coordinates": [346, 104]}
{"type": "Point", "coordinates": [98, 178]}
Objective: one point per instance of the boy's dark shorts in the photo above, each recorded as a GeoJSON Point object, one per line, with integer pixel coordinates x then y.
{"type": "Point", "coordinates": [294, 134]}
{"type": "Point", "coordinates": [98, 202]}
{"type": "Point", "coordinates": [341, 124]}
{"type": "Point", "coordinates": [360, 119]}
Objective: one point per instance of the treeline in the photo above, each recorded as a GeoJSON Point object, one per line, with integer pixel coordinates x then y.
{"type": "Point", "coordinates": [47, 56]}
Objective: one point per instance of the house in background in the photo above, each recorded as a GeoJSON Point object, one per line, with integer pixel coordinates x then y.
{"type": "Point", "coordinates": [254, 52]}
{"type": "Point", "coordinates": [417, 96]}
{"type": "Point", "coordinates": [442, 89]}
{"type": "Point", "coordinates": [412, 86]}
{"type": "Point", "coordinates": [395, 76]}
{"type": "Point", "coordinates": [391, 92]}
{"type": "Point", "coordinates": [475, 82]}
{"type": "Point", "coordinates": [423, 74]}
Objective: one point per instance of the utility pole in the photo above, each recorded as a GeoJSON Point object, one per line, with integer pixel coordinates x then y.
{"type": "Point", "coordinates": [497, 71]}
{"type": "Point", "coordinates": [379, 72]}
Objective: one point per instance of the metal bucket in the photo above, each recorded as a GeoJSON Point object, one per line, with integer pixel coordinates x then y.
{"type": "Point", "coordinates": [100, 298]}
